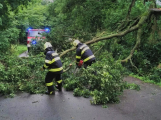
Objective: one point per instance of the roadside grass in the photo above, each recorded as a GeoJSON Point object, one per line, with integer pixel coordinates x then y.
{"type": "Point", "coordinates": [146, 79]}
{"type": "Point", "coordinates": [18, 49]}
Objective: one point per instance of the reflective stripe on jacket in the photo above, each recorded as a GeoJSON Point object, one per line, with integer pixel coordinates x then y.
{"type": "Point", "coordinates": [53, 62]}
{"type": "Point", "coordinates": [84, 52]}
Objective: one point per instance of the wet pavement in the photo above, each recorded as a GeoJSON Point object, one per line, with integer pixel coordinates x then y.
{"type": "Point", "coordinates": [24, 54]}
{"type": "Point", "coordinates": [134, 105]}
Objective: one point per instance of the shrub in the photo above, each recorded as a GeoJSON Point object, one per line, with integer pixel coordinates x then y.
{"type": "Point", "coordinates": [77, 92]}
{"type": "Point", "coordinates": [104, 87]}
{"type": "Point", "coordinates": [156, 75]}
{"type": "Point", "coordinates": [21, 74]}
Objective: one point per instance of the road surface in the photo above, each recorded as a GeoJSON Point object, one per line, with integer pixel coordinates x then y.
{"type": "Point", "coordinates": [134, 105]}
{"type": "Point", "coordinates": [24, 54]}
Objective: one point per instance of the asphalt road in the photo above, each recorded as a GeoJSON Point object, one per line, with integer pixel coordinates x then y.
{"type": "Point", "coordinates": [134, 105]}
{"type": "Point", "coordinates": [24, 54]}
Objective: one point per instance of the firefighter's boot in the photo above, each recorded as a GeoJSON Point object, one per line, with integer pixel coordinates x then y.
{"type": "Point", "coordinates": [59, 86]}
{"type": "Point", "coordinates": [50, 91]}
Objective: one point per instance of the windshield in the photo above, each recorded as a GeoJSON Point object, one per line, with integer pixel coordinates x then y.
{"type": "Point", "coordinates": [35, 33]}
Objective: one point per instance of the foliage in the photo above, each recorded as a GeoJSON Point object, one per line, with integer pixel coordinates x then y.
{"type": "Point", "coordinates": [132, 86]}
{"type": "Point", "coordinates": [81, 92]}
{"type": "Point", "coordinates": [86, 93]}
{"type": "Point", "coordinates": [17, 49]}
{"type": "Point", "coordinates": [8, 37]}
{"type": "Point", "coordinates": [37, 48]}
{"type": "Point", "coordinates": [147, 79]}
{"type": "Point", "coordinates": [77, 92]}
{"type": "Point", "coordinates": [21, 74]}
{"type": "Point", "coordinates": [139, 8]}
{"type": "Point", "coordinates": [82, 19]}
{"type": "Point", "coordinates": [104, 87]}
{"type": "Point", "coordinates": [33, 16]}
{"type": "Point", "coordinates": [16, 16]}
{"type": "Point", "coordinates": [156, 75]}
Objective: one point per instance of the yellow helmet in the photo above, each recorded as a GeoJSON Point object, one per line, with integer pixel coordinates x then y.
{"type": "Point", "coordinates": [46, 45]}
{"type": "Point", "coordinates": [76, 42]}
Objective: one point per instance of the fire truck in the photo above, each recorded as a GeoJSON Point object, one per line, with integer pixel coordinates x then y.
{"type": "Point", "coordinates": [34, 35]}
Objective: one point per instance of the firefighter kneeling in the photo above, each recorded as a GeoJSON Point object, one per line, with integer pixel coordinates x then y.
{"type": "Point", "coordinates": [54, 65]}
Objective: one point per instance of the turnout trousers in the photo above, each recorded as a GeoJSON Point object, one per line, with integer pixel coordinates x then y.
{"type": "Point", "coordinates": [49, 81]}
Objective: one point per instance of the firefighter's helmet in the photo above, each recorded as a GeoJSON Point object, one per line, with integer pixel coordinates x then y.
{"type": "Point", "coordinates": [47, 44]}
{"type": "Point", "coordinates": [76, 42]}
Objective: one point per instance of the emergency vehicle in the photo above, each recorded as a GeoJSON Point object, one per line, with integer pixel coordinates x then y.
{"type": "Point", "coordinates": [34, 35]}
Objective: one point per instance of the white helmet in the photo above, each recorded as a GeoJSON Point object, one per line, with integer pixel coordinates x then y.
{"type": "Point", "coordinates": [76, 42]}
{"type": "Point", "coordinates": [46, 45]}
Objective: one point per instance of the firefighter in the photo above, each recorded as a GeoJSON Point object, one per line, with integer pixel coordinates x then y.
{"type": "Point", "coordinates": [83, 54]}
{"type": "Point", "coordinates": [54, 65]}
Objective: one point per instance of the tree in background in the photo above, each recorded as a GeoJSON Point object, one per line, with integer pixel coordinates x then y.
{"type": "Point", "coordinates": [15, 17]}
{"type": "Point", "coordinates": [130, 29]}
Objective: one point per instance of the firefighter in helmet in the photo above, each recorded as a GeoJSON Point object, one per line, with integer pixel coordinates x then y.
{"type": "Point", "coordinates": [54, 65]}
{"type": "Point", "coordinates": [83, 54]}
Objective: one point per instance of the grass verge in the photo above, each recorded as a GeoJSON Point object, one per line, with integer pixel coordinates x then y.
{"type": "Point", "coordinates": [145, 79]}
{"type": "Point", "coordinates": [18, 49]}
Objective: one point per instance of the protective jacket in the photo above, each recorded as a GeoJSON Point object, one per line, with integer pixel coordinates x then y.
{"type": "Point", "coordinates": [53, 62]}
{"type": "Point", "coordinates": [83, 52]}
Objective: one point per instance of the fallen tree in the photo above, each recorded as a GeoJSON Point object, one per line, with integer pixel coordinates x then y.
{"type": "Point", "coordinates": [138, 27]}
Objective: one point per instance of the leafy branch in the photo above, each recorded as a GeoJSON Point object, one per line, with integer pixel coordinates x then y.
{"type": "Point", "coordinates": [136, 27]}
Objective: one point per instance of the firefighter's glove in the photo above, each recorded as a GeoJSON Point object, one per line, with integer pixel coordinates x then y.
{"type": "Point", "coordinates": [79, 65]}
{"type": "Point", "coordinates": [41, 69]}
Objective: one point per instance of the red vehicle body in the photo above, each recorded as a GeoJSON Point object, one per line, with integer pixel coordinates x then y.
{"type": "Point", "coordinates": [33, 35]}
